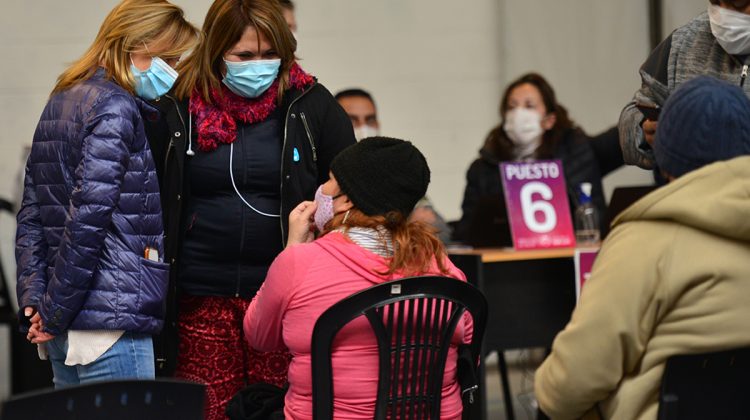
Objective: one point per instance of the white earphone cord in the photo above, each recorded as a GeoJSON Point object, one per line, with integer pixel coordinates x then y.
{"type": "Point", "coordinates": [190, 151]}
{"type": "Point", "coordinates": [231, 176]}
{"type": "Point", "coordinates": [231, 171]}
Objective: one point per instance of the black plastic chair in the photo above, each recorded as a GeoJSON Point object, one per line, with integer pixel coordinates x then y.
{"type": "Point", "coordinates": [115, 400]}
{"type": "Point", "coordinates": [413, 320]}
{"type": "Point", "coordinates": [706, 386]}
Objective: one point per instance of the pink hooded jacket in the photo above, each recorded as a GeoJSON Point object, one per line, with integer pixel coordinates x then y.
{"type": "Point", "coordinates": [302, 283]}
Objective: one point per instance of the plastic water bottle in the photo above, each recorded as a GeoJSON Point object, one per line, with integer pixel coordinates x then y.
{"type": "Point", "coordinates": [587, 217]}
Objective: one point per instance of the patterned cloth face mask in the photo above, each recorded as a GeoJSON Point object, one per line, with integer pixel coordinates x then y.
{"type": "Point", "coordinates": [324, 213]}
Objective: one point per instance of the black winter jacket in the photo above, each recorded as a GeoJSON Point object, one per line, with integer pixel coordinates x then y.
{"type": "Point", "coordinates": [313, 123]}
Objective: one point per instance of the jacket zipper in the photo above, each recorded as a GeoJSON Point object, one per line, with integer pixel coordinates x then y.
{"type": "Point", "coordinates": [242, 218]}
{"type": "Point", "coordinates": [309, 137]}
{"type": "Point", "coordinates": [744, 72]}
{"type": "Point", "coordinates": [283, 154]}
{"type": "Point", "coordinates": [171, 136]}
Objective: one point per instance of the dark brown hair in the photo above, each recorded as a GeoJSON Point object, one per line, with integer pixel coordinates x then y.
{"type": "Point", "coordinates": [415, 245]}
{"type": "Point", "coordinates": [735, 4]}
{"type": "Point", "coordinates": [497, 140]}
{"type": "Point", "coordinates": [225, 23]}
{"type": "Point", "coordinates": [287, 4]}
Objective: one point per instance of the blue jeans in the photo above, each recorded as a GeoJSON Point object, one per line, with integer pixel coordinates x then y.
{"type": "Point", "coordinates": [131, 357]}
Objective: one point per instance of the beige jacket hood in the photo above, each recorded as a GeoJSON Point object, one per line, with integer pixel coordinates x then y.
{"type": "Point", "coordinates": [714, 199]}
{"type": "Point", "coordinates": [672, 278]}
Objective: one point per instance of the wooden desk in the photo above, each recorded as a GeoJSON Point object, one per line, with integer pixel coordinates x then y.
{"type": "Point", "coordinates": [531, 295]}
{"type": "Point", "coordinates": [492, 255]}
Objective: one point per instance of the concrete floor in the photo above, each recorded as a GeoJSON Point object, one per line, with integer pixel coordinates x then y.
{"type": "Point", "coordinates": [521, 367]}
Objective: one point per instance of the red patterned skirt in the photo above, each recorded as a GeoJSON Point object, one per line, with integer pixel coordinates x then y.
{"type": "Point", "coordinates": [213, 351]}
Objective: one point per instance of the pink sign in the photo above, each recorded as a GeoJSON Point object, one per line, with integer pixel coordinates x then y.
{"type": "Point", "coordinates": [537, 201]}
{"type": "Point", "coordinates": [584, 261]}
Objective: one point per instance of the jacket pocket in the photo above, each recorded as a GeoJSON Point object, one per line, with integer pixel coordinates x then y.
{"type": "Point", "coordinates": [154, 279]}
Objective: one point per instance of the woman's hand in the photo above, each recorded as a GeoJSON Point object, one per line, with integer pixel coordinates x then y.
{"type": "Point", "coordinates": [36, 335]}
{"type": "Point", "coordinates": [301, 223]}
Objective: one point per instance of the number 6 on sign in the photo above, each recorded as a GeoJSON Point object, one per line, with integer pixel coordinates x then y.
{"type": "Point", "coordinates": [537, 202]}
{"type": "Point", "coordinates": [530, 208]}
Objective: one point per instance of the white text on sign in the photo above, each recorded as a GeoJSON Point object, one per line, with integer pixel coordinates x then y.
{"type": "Point", "coordinates": [530, 171]}
{"type": "Point", "coordinates": [530, 207]}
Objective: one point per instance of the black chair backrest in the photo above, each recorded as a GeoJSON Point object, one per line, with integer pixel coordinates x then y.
{"type": "Point", "coordinates": [115, 400]}
{"type": "Point", "coordinates": [706, 386]}
{"type": "Point", "coordinates": [413, 320]}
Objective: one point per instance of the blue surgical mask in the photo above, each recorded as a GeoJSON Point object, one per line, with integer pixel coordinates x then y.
{"type": "Point", "coordinates": [154, 81]}
{"type": "Point", "coordinates": [251, 78]}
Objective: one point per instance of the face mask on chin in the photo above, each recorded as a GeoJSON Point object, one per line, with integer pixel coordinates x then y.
{"type": "Point", "coordinates": [731, 29]}
{"type": "Point", "coordinates": [524, 128]}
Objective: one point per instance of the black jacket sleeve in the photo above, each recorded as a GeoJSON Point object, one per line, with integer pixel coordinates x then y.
{"type": "Point", "coordinates": [607, 150]}
{"type": "Point", "coordinates": [337, 134]}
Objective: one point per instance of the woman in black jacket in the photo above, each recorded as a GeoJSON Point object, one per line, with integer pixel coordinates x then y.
{"type": "Point", "coordinates": [533, 126]}
{"type": "Point", "coordinates": [249, 135]}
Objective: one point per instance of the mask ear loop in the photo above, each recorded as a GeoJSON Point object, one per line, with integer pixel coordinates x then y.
{"type": "Point", "coordinates": [346, 216]}
{"type": "Point", "coordinates": [190, 151]}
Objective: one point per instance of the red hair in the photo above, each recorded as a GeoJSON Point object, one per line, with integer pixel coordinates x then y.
{"type": "Point", "coordinates": [415, 245]}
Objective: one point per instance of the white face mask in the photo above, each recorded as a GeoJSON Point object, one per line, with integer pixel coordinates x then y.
{"type": "Point", "coordinates": [365, 131]}
{"type": "Point", "coordinates": [731, 29]}
{"type": "Point", "coordinates": [524, 128]}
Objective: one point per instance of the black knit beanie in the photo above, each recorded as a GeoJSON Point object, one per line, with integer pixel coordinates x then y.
{"type": "Point", "coordinates": [382, 174]}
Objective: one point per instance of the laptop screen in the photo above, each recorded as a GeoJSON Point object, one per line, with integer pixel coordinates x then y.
{"type": "Point", "coordinates": [624, 197]}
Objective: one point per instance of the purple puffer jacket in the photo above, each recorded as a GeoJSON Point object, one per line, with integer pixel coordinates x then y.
{"type": "Point", "coordinates": [90, 208]}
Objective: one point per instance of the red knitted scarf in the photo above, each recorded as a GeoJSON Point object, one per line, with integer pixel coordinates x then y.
{"type": "Point", "coordinates": [217, 122]}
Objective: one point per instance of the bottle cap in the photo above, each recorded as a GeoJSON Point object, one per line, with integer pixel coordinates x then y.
{"type": "Point", "coordinates": [584, 195]}
{"type": "Point", "coordinates": [586, 188]}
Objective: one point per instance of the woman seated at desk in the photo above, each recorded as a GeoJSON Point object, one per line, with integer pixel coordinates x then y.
{"type": "Point", "coordinates": [533, 126]}
{"type": "Point", "coordinates": [362, 213]}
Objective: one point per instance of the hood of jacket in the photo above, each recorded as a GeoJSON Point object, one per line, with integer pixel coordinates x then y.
{"type": "Point", "coordinates": [367, 264]}
{"type": "Point", "coordinates": [714, 199]}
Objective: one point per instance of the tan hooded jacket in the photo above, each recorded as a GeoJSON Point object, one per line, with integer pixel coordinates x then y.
{"type": "Point", "coordinates": [672, 278]}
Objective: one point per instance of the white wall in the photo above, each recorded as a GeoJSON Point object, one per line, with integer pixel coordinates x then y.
{"type": "Point", "coordinates": [434, 68]}
{"type": "Point", "coordinates": [680, 12]}
{"type": "Point", "coordinates": [590, 52]}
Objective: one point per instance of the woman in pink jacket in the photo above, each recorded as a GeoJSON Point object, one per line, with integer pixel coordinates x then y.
{"type": "Point", "coordinates": [366, 239]}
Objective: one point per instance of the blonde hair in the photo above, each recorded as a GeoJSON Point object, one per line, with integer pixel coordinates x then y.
{"type": "Point", "coordinates": [225, 23]}
{"type": "Point", "coordinates": [130, 25]}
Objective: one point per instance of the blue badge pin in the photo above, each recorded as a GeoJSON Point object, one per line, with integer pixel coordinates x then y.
{"type": "Point", "coordinates": [296, 155]}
